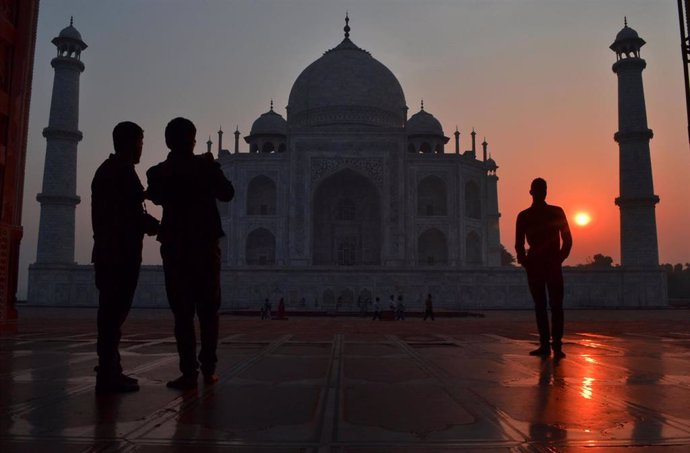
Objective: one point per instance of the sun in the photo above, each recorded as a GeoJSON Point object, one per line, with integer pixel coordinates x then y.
{"type": "Point", "coordinates": [582, 218]}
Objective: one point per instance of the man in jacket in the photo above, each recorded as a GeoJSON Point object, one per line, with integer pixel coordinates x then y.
{"type": "Point", "coordinates": [187, 187]}
{"type": "Point", "coordinates": [119, 222]}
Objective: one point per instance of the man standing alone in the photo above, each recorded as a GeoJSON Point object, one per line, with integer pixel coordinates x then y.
{"type": "Point", "coordinates": [187, 187]}
{"type": "Point", "coordinates": [119, 223]}
{"type": "Point", "coordinates": [545, 227]}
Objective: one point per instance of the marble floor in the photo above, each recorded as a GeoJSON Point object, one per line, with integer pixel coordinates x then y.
{"type": "Point", "coordinates": [355, 385]}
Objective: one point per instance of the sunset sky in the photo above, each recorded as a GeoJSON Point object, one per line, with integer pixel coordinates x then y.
{"type": "Point", "coordinates": [533, 76]}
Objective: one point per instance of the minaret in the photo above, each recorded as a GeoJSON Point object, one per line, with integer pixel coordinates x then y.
{"type": "Point", "coordinates": [637, 200]}
{"type": "Point", "coordinates": [492, 215]}
{"type": "Point", "coordinates": [237, 139]}
{"type": "Point", "coordinates": [484, 145]}
{"type": "Point", "coordinates": [58, 197]}
{"type": "Point", "coordinates": [474, 143]}
{"type": "Point", "coordinates": [209, 143]}
{"type": "Point", "coordinates": [457, 140]}
{"type": "Point", "coordinates": [220, 140]}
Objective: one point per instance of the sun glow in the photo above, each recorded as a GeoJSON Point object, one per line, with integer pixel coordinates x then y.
{"type": "Point", "coordinates": [582, 218]}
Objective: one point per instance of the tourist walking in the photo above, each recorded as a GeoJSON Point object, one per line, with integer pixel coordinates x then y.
{"type": "Point", "coordinates": [281, 309]}
{"type": "Point", "coordinates": [545, 228]}
{"type": "Point", "coordinates": [429, 309]}
{"type": "Point", "coordinates": [188, 187]}
{"type": "Point", "coordinates": [377, 310]}
{"type": "Point", "coordinates": [400, 309]}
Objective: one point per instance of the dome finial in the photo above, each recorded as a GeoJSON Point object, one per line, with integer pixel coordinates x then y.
{"type": "Point", "coordinates": [625, 20]}
{"type": "Point", "coordinates": [422, 104]}
{"type": "Point", "coordinates": [347, 25]}
{"type": "Point", "coordinates": [271, 104]}
{"type": "Point", "coordinates": [71, 20]}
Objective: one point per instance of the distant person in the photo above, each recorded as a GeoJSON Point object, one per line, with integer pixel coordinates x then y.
{"type": "Point", "coordinates": [281, 309]}
{"type": "Point", "coordinates": [267, 309]}
{"type": "Point", "coordinates": [429, 309]}
{"type": "Point", "coordinates": [545, 227]}
{"type": "Point", "coordinates": [262, 310]}
{"type": "Point", "coordinates": [400, 309]}
{"type": "Point", "coordinates": [187, 186]}
{"type": "Point", "coordinates": [119, 224]}
{"type": "Point", "coordinates": [377, 310]}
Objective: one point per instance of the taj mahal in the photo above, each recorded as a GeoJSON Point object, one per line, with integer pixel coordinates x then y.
{"type": "Point", "coordinates": [348, 198]}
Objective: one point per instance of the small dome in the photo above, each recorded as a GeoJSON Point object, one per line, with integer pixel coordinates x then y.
{"type": "Point", "coordinates": [627, 33]}
{"type": "Point", "coordinates": [424, 123]}
{"type": "Point", "coordinates": [270, 123]}
{"type": "Point", "coordinates": [627, 40]}
{"type": "Point", "coordinates": [491, 164]}
{"type": "Point", "coordinates": [70, 32]}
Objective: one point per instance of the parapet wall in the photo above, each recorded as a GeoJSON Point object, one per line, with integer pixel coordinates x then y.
{"type": "Point", "coordinates": [335, 289]}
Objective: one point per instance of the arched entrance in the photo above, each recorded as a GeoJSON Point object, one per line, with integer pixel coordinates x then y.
{"type": "Point", "coordinates": [346, 221]}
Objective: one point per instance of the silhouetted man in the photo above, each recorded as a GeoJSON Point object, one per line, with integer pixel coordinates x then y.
{"type": "Point", "coordinates": [187, 187]}
{"type": "Point", "coordinates": [119, 223]}
{"type": "Point", "coordinates": [546, 229]}
{"type": "Point", "coordinates": [429, 311]}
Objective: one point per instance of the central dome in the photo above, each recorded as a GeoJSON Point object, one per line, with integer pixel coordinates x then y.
{"type": "Point", "coordinates": [346, 86]}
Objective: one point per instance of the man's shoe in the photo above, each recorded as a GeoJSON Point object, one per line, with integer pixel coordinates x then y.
{"type": "Point", "coordinates": [116, 384]}
{"type": "Point", "coordinates": [558, 354]}
{"type": "Point", "coordinates": [210, 378]}
{"type": "Point", "coordinates": [184, 382]}
{"type": "Point", "coordinates": [542, 351]}
{"type": "Point", "coordinates": [129, 379]}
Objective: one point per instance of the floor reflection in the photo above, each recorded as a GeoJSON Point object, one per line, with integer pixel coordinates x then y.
{"type": "Point", "coordinates": [550, 401]}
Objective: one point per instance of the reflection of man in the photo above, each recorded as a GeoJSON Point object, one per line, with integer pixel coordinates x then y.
{"type": "Point", "coordinates": [544, 226]}
{"type": "Point", "coordinates": [187, 186]}
{"type": "Point", "coordinates": [119, 223]}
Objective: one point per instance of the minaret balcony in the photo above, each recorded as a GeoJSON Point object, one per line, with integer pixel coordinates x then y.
{"type": "Point", "coordinates": [636, 202]}
{"type": "Point", "coordinates": [67, 62]}
{"type": "Point", "coordinates": [633, 136]}
{"type": "Point", "coordinates": [64, 134]}
{"type": "Point", "coordinates": [69, 200]}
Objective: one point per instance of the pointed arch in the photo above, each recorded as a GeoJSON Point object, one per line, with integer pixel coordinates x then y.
{"type": "Point", "coordinates": [432, 197]}
{"type": "Point", "coordinates": [261, 247]}
{"type": "Point", "coordinates": [346, 221]}
{"type": "Point", "coordinates": [261, 196]}
{"type": "Point", "coordinates": [432, 248]}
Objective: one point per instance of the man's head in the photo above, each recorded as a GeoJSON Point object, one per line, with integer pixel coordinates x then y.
{"type": "Point", "coordinates": [180, 136]}
{"type": "Point", "coordinates": [128, 141]}
{"type": "Point", "coordinates": [538, 189]}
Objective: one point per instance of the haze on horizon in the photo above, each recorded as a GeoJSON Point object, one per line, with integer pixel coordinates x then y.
{"type": "Point", "coordinates": [533, 76]}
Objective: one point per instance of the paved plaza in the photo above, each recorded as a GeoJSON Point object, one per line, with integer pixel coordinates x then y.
{"type": "Point", "coordinates": [347, 384]}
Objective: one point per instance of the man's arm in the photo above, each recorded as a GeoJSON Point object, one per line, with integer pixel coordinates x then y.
{"type": "Point", "coordinates": [223, 187]}
{"type": "Point", "coordinates": [154, 190]}
{"type": "Point", "coordinates": [566, 237]}
{"type": "Point", "coordinates": [520, 239]}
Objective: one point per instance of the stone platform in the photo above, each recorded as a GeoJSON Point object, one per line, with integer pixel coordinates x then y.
{"type": "Point", "coordinates": [353, 385]}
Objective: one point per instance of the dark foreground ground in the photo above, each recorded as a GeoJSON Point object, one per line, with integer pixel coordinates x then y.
{"type": "Point", "coordinates": [353, 385]}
